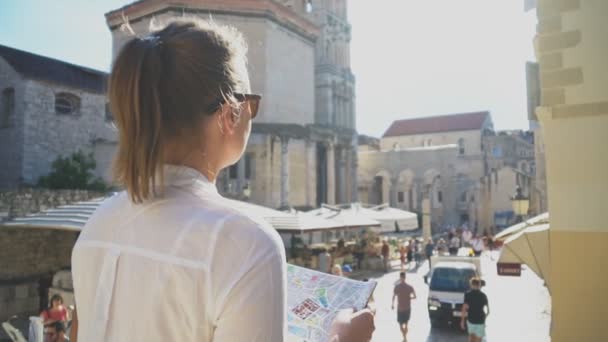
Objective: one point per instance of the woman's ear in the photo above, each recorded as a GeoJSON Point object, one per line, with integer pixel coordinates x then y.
{"type": "Point", "coordinates": [225, 120]}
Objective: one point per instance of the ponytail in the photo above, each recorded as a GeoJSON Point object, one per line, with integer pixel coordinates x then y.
{"type": "Point", "coordinates": [134, 93]}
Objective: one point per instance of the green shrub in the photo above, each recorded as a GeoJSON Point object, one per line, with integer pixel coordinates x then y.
{"type": "Point", "coordinates": [73, 172]}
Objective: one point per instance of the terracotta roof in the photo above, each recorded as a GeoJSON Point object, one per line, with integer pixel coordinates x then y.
{"type": "Point", "coordinates": [436, 124]}
{"type": "Point", "coordinates": [32, 66]}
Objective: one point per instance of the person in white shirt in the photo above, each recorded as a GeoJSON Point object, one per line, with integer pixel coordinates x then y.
{"type": "Point", "coordinates": [170, 259]}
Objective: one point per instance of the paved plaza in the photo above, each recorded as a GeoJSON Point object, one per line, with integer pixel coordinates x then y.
{"type": "Point", "coordinates": [520, 308]}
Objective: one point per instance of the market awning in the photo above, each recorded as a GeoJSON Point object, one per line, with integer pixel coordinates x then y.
{"type": "Point", "coordinates": [347, 217]}
{"type": "Point", "coordinates": [390, 218]}
{"type": "Point", "coordinates": [507, 232]}
{"type": "Point", "coordinates": [529, 246]}
{"type": "Point", "coordinates": [67, 217]}
{"type": "Point", "coordinates": [73, 217]}
{"type": "Point", "coordinates": [289, 222]}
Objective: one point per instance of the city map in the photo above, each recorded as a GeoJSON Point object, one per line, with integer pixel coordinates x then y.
{"type": "Point", "coordinates": [314, 299]}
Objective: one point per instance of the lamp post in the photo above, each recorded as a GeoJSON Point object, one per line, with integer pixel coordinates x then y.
{"type": "Point", "coordinates": [520, 204]}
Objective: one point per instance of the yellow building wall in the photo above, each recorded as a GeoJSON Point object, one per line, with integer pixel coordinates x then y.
{"type": "Point", "coordinates": [572, 49]}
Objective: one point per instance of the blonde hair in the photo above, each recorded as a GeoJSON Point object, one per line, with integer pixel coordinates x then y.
{"type": "Point", "coordinates": [160, 88]}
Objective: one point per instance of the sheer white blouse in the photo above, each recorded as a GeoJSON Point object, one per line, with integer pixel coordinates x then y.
{"type": "Point", "coordinates": [184, 267]}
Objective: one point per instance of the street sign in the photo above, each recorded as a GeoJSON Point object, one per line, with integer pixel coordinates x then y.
{"type": "Point", "coordinates": [508, 269]}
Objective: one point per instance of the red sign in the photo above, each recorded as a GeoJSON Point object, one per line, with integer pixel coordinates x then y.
{"type": "Point", "coordinates": [508, 269]}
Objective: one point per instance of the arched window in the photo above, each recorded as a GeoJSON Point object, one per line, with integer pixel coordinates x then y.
{"type": "Point", "coordinates": [67, 104]}
{"type": "Point", "coordinates": [461, 146]}
{"type": "Point", "coordinates": [7, 108]}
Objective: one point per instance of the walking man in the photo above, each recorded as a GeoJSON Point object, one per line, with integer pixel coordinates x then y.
{"type": "Point", "coordinates": [385, 255]}
{"type": "Point", "coordinates": [475, 309]}
{"type": "Point", "coordinates": [404, 293]}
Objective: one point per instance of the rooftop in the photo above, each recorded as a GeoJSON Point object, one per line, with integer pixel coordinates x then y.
{"type": "Point", "coordinates": [438, 124]}
{"type": "Point", "coordinates": [37, 67]}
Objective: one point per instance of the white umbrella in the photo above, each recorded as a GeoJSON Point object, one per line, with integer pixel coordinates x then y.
{"type": "Point", "coordinates": [530, 246]}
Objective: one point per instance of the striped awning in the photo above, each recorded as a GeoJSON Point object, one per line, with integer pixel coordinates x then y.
{"type": "Point", "coordinates": [66, 217]}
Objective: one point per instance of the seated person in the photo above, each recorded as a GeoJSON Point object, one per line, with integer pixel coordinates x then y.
{"type": "Point", "coordinates": [55, 332]}
{"type": "Point", "coordinates": [56, 312]}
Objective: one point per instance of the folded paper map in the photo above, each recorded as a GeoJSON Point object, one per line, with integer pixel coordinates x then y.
{"type": "Point", "coordinates": [314, 299]}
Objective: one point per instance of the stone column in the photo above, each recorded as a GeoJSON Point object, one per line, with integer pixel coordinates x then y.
{"type": "Point", "coordinates": [426, 217]}
{"type": "Point", "coordinates": [354, 164]}
{"type": "Point", "coordinates": [284, 172]}
{"type": "Point", "coordinates": [342, 176]}
{"type": "Point", "coordinates": [240, 176]}
{"type": "Point", "coordinates": [331, 175]}
{"type": "Point", "coordinates": [394, 182]}
{"type": "Point", "coordinates": [309, 170]}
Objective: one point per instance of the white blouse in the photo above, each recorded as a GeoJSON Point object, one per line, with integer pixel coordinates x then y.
{"type": "Point", "coordinates": [184, 267]}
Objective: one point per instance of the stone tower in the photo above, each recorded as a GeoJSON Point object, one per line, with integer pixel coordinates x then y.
{"type": "Point", "coordinates": [335, 89]}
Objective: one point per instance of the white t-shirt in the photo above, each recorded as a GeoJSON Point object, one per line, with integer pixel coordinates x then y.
{"type": "Point", "coordinates": [183, 267]}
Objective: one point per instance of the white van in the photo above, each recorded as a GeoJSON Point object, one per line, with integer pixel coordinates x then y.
{"type": "Point", "coordinates": [448, 281]}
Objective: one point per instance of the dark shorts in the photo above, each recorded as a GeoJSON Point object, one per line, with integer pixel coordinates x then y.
{"type": "Point", "coordinates": [403, 316]}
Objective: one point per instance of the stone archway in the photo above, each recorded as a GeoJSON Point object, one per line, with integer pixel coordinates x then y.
{"type": "Point", "coordinates": [405, 190]}
{"type": "Point", "coordinates": [381, 188]}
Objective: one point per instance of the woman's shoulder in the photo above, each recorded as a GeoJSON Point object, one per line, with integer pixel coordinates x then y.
{"type": "Point", "coordinates": [246, 225]}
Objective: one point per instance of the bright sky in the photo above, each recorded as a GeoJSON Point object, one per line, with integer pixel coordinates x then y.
{"type": "Point", "coordinates": [411, 58]}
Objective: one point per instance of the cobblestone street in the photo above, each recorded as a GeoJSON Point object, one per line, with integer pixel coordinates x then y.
{"type": "Point", "coordinates": [520, 308]}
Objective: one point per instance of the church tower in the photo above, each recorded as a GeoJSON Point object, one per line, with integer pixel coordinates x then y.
{"type": "Point", "coordinates": [335, 92]}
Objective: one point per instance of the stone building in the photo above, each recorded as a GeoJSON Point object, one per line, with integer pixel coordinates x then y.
{"type": "Point", "coordinates": [302, 151]}
{"type": "Point", "coordinates": [47, 108]}
{"type": "Point", "coordinates": [572, 49]}
{"type": "Point", "coordinates": [440, 158]}
{"type": "Point", "coordinates": [538, 195]}
{"type": "Point", "coordinates": [513, 149]}
{"type": "Point", "coordinates": [465, 169]}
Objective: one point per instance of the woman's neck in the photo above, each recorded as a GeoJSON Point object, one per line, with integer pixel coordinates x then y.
{"type": "Point", "coordinates": [198, 161]}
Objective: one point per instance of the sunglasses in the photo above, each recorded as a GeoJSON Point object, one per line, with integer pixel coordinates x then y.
{"type": "Point", "coordinates": [252, 99]}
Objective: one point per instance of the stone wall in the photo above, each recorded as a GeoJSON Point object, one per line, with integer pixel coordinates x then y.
{"type": "Point", "coordinates": [11, 137]}
{"type": "Point", "coordinates": [27, 201]}
{"type": "Point", "coordinates": [28, 255]}
{"type": "Point", "coordinates": [280, 62]}
{"type": "Point", "coordinates": [48, 135]}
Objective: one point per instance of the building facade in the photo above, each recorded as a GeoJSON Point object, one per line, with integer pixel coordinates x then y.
{"type": "Point", "coordinates": [48, 108]}
{"type": "Point", "coordinates": [466, 170]}
{"type": "Point", "coordinates": [302, 150]}
{"type": "Point", "coordinates": [571, 49]}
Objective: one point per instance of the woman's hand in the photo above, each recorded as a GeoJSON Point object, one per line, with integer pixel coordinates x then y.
{"type": "Point", "coordinates": [352, 326]}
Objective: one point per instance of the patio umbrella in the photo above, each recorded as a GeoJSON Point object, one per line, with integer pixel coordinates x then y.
{"type": "Point", "coordinates": [531, 247]}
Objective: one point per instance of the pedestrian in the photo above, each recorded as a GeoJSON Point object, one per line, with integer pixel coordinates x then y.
{"type": "Point", "coordinates": [324, 261]}
{"type": "Point", "coordinates": [56, 312]}
{"type": "Point", "coordinates": [475, 309]}
{"type": "Point", "coordinates": [385, 255]}
{"type": "Point", "coordinates": [410, 252]}
{"type": "Point", "coordinates": [441, 247]}
{"type": "Point", "coordinates": [477, 244]}
{"type": "Point", "coordinates": [429, 249]}
{"type": "Point", "coordinates": [454, 244]}
{"type": "Point", "coordinates": [402, 254]}
{"type": "Point", "coordinates": [170, 249]}
{"type": "Point", "coordinates": [404, 293]}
